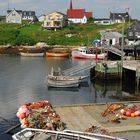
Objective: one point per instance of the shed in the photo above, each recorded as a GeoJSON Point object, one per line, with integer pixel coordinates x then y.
{"type": "Point", "coordinates": [111, 38]}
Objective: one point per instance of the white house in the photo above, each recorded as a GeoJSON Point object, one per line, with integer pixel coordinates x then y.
{"type": "Point", "coordinates": [14, 16]}
{"type": "Point", "coordinates": [41, 18]}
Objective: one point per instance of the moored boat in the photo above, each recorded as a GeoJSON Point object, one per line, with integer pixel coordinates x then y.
{"type": "Point", "coordinates": [31, 54]}
{"type": "Point", "coordinates": [89, 53]}
{"type": "Point", "coordinates": [64, 81]}
{"type": "Point", "coordinates": [57, 54]}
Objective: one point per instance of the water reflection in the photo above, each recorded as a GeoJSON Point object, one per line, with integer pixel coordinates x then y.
{"type": "Point", "coordinates": [112, 90]}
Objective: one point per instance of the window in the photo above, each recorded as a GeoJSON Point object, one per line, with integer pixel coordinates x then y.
{"type": "Point", "coordinates": [49, 17]}
{"type": "Point", "coordinates": [59, 18]}
{"type": "Point", "coordinates": [137, 33]}
{"type": "Point", "coordinates": [130, 33]}
{"type": "Point", "coordinates": [13, 14]}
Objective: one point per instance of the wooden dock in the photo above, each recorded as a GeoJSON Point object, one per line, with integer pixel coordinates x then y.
{"type": "Point", "coordinates": [131, 64]}
{"type": "Point", "coordinates": [82, 117]}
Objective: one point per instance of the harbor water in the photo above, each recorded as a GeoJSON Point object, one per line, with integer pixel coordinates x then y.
{"type": "Point", "coordinates": [23, 80]}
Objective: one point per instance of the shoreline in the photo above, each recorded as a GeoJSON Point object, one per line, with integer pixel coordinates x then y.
{"type": "Point", "coordinates": [15, 50]}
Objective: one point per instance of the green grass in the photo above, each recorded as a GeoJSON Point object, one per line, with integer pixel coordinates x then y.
{"type": "Point", "coordinates": [81, 33]}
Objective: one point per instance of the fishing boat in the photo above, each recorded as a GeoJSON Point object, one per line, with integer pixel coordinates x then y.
{"type": "Point", "coordinates": [88, 53]}
{"type": "Point", "coordinates": [57, 54]}
{"type": "Point", "coordinates": [40, 134]}
{"type": "Point", "coordinates": [31, 54]}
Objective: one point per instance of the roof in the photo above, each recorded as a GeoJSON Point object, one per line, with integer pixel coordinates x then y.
{"type": "Point", "coordinates": [88, 14]}
{"type": "Point", "coordinates": [28, 13]}
{"type": "Point", "coordinates": [24, 13]}
{"type": "Point", "coordinates": [18, 11]}
{"type": "Point", "coordinates": [75, 13]}
{"type": "Point", "coordinates": [56, 12]}
{"type": "Point", "coordinates": [109, 35]}
{"type": "Point", "coordinates": [78, 13]}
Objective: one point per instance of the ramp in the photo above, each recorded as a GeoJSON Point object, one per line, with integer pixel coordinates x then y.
{"type": "Point", "coordinates": [78, 68]}
{"type": "Point", "coordinates": [115, 51]}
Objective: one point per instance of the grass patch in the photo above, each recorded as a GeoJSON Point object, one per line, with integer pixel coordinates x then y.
{"type": "Point", "coordinates": [80, 33]}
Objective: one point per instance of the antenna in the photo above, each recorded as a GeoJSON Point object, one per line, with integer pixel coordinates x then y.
{"type": "Point", "coordinates": [8, 4]}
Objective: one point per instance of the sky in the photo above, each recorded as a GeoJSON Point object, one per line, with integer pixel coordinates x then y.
{"type": "Point", "coordinates": [100, 8]}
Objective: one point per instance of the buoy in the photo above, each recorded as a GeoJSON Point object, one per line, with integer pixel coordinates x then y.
{"type": "Point", "coordinates": [128, 113]}
{"type": "Point", "coordinates": [137, 113]}
{"type": "Point", "coordinates": [132, 114]}
{"type": "Point", "coordinates": [130, 106]}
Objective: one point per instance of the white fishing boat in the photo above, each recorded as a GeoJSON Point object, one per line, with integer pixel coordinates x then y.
{"type": "Point", "coordinates": [40, 134]}
{"type": "Point", "coordinates": [89, 53]}
{"type": "Point", "coordinates": [31, 54]}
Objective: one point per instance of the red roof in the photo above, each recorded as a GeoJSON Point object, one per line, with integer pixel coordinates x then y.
{"type": "Point", "coordinates": [78, 13]}
{"type": "Point", "coordinates": [88, 14]}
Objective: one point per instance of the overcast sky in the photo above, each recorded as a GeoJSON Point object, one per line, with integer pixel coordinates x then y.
{"type": "Point", "coordinates": [100, 8]}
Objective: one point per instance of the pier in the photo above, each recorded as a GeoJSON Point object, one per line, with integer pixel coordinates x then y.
{"type": "Point", "coordinates": [82, 117]}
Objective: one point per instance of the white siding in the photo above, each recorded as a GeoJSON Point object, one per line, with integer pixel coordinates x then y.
{"type": "Point", "coordinates": [13, 17]}
{"type": "Point", "coordinates": [78, 20]}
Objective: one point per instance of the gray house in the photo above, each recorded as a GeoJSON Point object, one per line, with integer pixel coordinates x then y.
{"type": "Point", "coordinates": [119, 17]}
{"type": "Point", "coordinates": [111, 38]}
{"type": "Point", "coordinates": [14, 16]}
{"type": "Point", "coordinates": [29, 15]}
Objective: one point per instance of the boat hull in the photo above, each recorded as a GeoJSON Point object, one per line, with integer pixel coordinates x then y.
{"type": "Point", "coordinates": [53, 54]}
{"type": "Point", "coordinates": [30, 133]}
{"type": "Point", "coordinates": [63, 81]}
{"type": "Point", "coordinates": [80, 55]}
{"type": "Point", "coordinates": [31, 54]}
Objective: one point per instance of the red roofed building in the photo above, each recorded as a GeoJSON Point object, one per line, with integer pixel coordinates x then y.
{"type": "Point", "coordinates": [78, 15]}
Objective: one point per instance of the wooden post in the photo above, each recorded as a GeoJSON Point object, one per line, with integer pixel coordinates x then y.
{"type": "Point", "coordinates": [137, 79]}
{"type": "Point", "coordinates": [120, 69]}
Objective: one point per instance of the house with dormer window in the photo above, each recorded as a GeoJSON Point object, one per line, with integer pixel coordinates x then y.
{"type": "Point", "coordinates": [14, 16]}
{"type": "Point", "coordinates": [119, 17]}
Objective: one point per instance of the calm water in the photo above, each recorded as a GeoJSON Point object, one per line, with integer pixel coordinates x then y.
{"type": "Point", "coordinates": [23, 80]}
